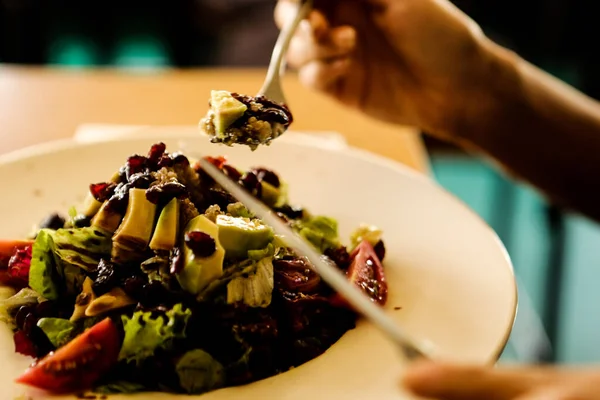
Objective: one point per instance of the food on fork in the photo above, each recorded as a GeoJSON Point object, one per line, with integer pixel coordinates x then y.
{"type": "Point", "coordinates": [234, 118]}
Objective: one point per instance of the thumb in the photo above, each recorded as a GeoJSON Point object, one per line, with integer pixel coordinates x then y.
{"type": "Point", "coordinates": [466, 382]}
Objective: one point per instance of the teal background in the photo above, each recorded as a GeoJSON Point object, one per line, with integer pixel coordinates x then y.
{"type": "Point", "coordinates": [519, 215]}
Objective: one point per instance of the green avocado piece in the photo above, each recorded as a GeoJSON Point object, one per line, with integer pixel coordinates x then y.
{"type": "Point", "coordinates": [269, 194]}
{"type": "Point", "coordinates": [133, 235]}
{"type": "Point", "coordinates": [165, 234]}
{"type": "Point", "coordinates": [198, 272]}
{"type": "Point", "coordinates": [226, 110]}
{"type": "Point", "coordinates": [238, 235]}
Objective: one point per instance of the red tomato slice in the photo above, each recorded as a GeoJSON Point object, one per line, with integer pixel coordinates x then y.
{"type": "Point", "coordinates": [79, 363]}
{"type": "Point", "coordinates": [366, 272]}
{"type": "Point", "coordinates": [7, 249]}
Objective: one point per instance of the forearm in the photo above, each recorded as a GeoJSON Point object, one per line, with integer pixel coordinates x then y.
{"type": "Point", "coordinates": [539, 129]}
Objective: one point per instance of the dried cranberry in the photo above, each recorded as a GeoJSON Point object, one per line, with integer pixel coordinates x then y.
{"type": "Point", "coordinates": [165, 162]}
{"type": "Point", "coordinates": [102, 191]}
{"type": "Point", "coordinates": [18, 266]}
{"type": "Point", "coordinates": [250, 181]}
{"type": "Point", "coordinates": [380, 250]}
{"type": "Point", "coordinates": [81, 221]}
{"type": "Point", "coordinates": [24, 345]}
{"type": "Point", "coordinates": [45, 309]}
{"type": "Point", "coordinates": [106, 278]}
{"type": "Point", "coordinates": [140, 180]}
{"type": "Point", "coordinates": [231, 172]}
{"type": "Point", "coordinates": [118, 201]}
{"type": "Point", "coordinates": [202, 244]}
{"type": "Point", "coordinates": [265, 175]}
{"type": "Point", "coordinates": [176, 261]}
{"type": "Point", "coordinates": [134, 286]}
{"type": "Point", "coordinates": [156, 152]}
{"type": "Point", "coordinates": [180, 159]}
{"type": "Point", "coordinates": [153, 294]}
{"type": "Point", "coordinates": [165, 192]}
{"type": "Point", "coordinates": [135, 164]}
{"type": "Point", "coordinates": [291, 212]}
{"type": "Point", "coordinates": [339, 256]}
{"type": "Point", "coordinates": [219, 197]}
{"type": "Point", "coordinates": [53, 221]}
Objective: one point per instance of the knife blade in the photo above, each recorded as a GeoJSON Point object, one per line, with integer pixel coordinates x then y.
{"type": "Point", "coordinates": [411, 348]}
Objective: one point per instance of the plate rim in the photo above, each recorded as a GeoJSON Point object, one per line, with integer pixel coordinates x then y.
{"type": "Point", "coordinates": [51, 146]}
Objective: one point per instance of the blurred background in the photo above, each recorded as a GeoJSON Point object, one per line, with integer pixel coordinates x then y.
{"type": "Point", "coordinates": [556, 255]}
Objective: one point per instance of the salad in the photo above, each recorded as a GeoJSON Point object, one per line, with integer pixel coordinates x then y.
{"type": "Point", "coordinates": [234, 118]}
{"type": "Point", "coordinates": [161, 281]}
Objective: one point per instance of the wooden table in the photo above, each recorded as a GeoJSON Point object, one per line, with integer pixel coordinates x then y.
{"type": "Point", "coordinates": [41, 104]}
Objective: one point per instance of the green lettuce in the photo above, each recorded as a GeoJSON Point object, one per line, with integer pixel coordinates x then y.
{"type": "Point", "coordinates": [58, 330]}
{"type": "Point", "coordinates": [145, 333]}
{"type": "Point", "coordinates": [60, 259]}
{"type": "Point", "coordinates": [9, 305]}
{"type": "Point", "coordinates": [120, 387]}
{"type": "Point", "coordinates": [199, 372]}
{"type": "Point", "coordinates": [254, 290]}
{"type": "Point", "coordinates": [321, 231]}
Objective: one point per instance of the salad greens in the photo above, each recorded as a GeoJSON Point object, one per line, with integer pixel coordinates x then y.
{"type": "Point", "coordinates": [164, 282]}
{"type": "Point", "coordinates": [144, 334]}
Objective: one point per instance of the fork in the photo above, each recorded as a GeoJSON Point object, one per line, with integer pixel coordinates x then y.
{"type": "Point", "coordinates": [272, 88]}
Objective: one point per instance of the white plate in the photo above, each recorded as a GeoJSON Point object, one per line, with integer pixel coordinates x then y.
{"type": "Point", "coordinates": [447, 270]}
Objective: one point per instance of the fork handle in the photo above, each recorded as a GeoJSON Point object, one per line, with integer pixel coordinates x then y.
{"type": "Point", "coordinates": [272, 85]}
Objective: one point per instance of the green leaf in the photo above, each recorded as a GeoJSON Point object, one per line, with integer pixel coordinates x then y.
{"type": "Point", "coordinates": [60, 259]}
{"type": "Point", "coordinates": [199, 372]}
{"type": "Point", "coordinates": [120, 387]}
{"type": "Point", "coordinates": [144, 334]}
{"type": "Point", "coordinates": [254, 290]}
{"type": "Point", "coordinates": [43, 275]}
{"type": "Point", "coordinates": [59, 331]}
{"type": "Point", "coordinates": [24, 297]}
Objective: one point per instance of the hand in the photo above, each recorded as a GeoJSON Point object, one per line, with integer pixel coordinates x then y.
{"type": "Point", "coordinates": [520, 383]}
{"type": "Point", "coordinates": [412, 62]}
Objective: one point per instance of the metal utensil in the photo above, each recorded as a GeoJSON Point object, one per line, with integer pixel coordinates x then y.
{"type": "Point", "coordinates": [272, 86]}
{"type": "Point", "coordinates": [335, 278]}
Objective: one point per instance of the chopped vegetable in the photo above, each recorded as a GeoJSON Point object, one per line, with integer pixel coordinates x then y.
{"type": "Point", "coordinates": [79, 363]}
{"type": "Point", "coordinates": [254, 290]}
{"type": "Point", "coordinates": [199, 372]}
{"type": "Point", "coordinates": [144, 334]}
{"type": "Point", "coordinates": [57, 330]}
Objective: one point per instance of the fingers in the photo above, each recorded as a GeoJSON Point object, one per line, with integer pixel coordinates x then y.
{"type": "Point", "coordinates": [334, 43]}
{"type": "Point", "coordinates": [465, 383]}
{"type": "Point", "coordinates": [324, 75]}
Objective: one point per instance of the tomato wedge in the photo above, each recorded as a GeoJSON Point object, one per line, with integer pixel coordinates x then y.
{"type": "Point", "coordinates": [366, 272]}
{"type": "Point", "coordinates": [8, 247]}
{"type": "Point", "coordinates": [78, 364]}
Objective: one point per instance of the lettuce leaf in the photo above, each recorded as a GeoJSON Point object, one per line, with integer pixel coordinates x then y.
{"type": "Point", "coordinates": [145, 333]}
{"type": "Point", "coordinates": [254, 290]}
{"type": "Point", "coordinates": [120, 387]}
{"type": "Point", "coordinates": [60, 259]}
{"type": "Point", "coordinates": [58, 330]}
{"type": "Point", "coordinates": [24, 297]}
{"type": "Point", "coordinates": [199, 372]}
